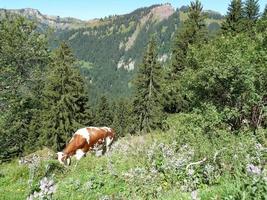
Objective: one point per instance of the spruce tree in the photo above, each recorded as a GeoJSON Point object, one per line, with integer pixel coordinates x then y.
{"type": "Point", "coordinates": [193, 31]}
{"type": "Point", "coordinates": [251, 14]}
{"type": "Point", "coordinates": [147, 104]}
{"type": "Point", "coordinates": [103, 114]}
{"type": "Point", "coordinates": [65, 101]}
{"type": "Point", "coordinates": [23, 58]}
{"type": "Point", "coordinates": [122, 117]}
{"type": "Point", "coordinates": [264, 14]}
{"type": "Point", "coordinates": [234, 18]}
{"type": "Point", "coordinates": [252, 10]}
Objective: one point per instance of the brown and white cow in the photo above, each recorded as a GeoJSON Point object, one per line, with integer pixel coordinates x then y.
{"type": "Point", "coordinates": [84, 140]}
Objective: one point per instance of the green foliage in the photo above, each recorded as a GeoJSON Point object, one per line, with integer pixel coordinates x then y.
{"type": "Point", "coordinates": [252, 188]}
{"type": "Point", "coordinates": [160, 165]}
{"type": "Point", "coordinates": [103, 115]}
{"type": "Point", "coordinates": [252, 10]}
{"type": "Point", "coordinates": [264, 14]}
{"type": "Point", "coordinates": [193, 31]}
{"type": "Point", "coordinates": [209, 150]}
{"type": "Point", "coordinates": [122, 121]}
{"type": "Point", "coordinates": [234, 17]}
{"type": "Point", "coordinates": [90, 44]}
{"type": "Point", "coordinates": [147, 102]}
{"type": "Point", "coordinates": [23, 57]}
{"type": "Point", "coordinates": [228, 73]}
{"type": "Point", "coordinates": [251, 14]}
{"type": "Point", "coordinates": [65, 101]}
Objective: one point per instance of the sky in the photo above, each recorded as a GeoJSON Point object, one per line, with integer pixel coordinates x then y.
{"type": "Point", "coordinates": [90, 9]}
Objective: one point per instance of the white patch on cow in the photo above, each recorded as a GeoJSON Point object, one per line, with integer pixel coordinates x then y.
{"type": "Point", "coordinates": [108, 143]}
{"type": "Point", "coordinates": [60, 156]}
{"type": "Point", "coordinates": [95, 128]}
{"type": "Point", "coordinates": [79, 154]}
{"type": "Point", "coordinates": [107, 129]}
{"type": "Point", "coordinates": [84, 133]}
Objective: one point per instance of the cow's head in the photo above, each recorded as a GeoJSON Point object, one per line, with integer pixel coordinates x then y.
{"type": "Point", "coordinates": [63, 158]}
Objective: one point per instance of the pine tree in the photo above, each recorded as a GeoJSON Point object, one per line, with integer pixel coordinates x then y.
{"type": "Point", "coordinates": [64, 100]}
{"type": "Point", "coordinates": [193, 31]}
{"type": "Point", "coordinates": [234, 18]}
{"type": "Point", "coordinates": [147, 102]}
{"type": "Point", "coordinates": [103, 114]}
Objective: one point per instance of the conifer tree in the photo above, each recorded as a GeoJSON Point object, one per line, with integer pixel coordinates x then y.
{"type": "Point", "coordinates": [147, 104]}
{"type": "Point", "coordinates": [103, 115]}
{"type": "Point", "coordinates": [251, 15]}
{"type": "Point", "coordinates": [193, 31]}
{"type": "Point", "coordinates": [65, 101]}
{"type": "Point", "coordinates": [264, 14]}
{"type": "Point", "coordinates": [234, 18]}
{"type": "Point", "coordinates": [252, 10]}
{"type": "Point", "coordinates": [23, 57]}
{"type": "Point", "coordinates": [122, 117]}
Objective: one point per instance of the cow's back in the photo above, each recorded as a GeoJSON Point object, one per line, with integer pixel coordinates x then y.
{"type": "Point", "coordinates": [97, 135]}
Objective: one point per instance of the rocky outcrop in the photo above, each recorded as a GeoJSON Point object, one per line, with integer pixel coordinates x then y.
{"type": "Point", "coordinates": [162, 12]}
{"type": "Point", "coordinates": [128, 64]}
{"type": "Point", "coordinates": [158, 14]}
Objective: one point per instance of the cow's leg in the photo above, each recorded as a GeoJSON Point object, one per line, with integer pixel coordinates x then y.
{"type": "Point", "coordinates": [79, 154]}
{"type": "Point", "coordinates": [108, 143]}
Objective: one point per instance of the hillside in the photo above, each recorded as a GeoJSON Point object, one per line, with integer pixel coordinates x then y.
{"type": "Point", "coordinates": [195, 128]}
{"type": "Point", "coordinates": [161, 165]}
{"type": "Point", "coordinates": [113, 46]}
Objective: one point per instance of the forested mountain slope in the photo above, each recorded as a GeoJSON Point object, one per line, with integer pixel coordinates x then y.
{"type": "Point", "coordinates": [113, 46]}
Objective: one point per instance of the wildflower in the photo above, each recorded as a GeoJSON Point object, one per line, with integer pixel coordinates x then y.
{"type": "Point", "coordinates": [254, 170]}
{"type": "Point", "coordinates": [194, 195]}
{"type": "Point", "coordinates": [48, 188]}
{"type": "Point", "coordinates": [191, 172]}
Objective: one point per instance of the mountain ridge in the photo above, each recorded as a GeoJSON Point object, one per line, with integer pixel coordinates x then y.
{"type": "Point", "coordinates": [111, 48]}
{"type": "Point", "coordinates": [161, 11]}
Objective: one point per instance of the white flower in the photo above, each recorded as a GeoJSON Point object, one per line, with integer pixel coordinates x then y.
{"type": "Point", "coordinates": [194, 195]}
{"type": "Point", "coordinates": [191, 172]}
{"type": "Point", "coordinates": [254, 170]}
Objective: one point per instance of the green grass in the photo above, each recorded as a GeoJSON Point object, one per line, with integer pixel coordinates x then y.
{"type": "Point", "coordinates": [13, 181]}
{"type": "Point", "coordinates": [125, 173]}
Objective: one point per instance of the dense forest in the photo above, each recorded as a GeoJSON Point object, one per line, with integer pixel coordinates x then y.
{"type": "Point", "coordinates": [125, 36]}
{"type": "Point", "coordinates": [209, 98]}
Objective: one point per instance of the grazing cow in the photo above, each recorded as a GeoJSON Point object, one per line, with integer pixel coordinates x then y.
{"type": "Point", "coordinates": [84, 140]}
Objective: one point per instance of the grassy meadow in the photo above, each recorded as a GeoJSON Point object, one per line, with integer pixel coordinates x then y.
{"type": "Point", "coordinates": [195, 159]}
